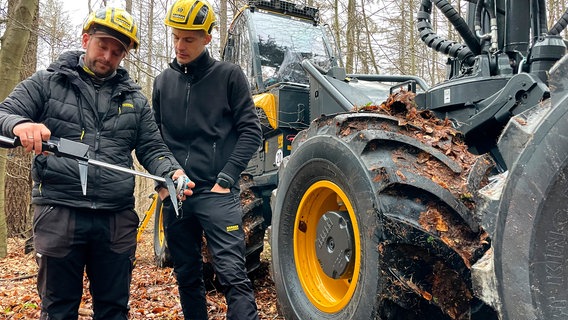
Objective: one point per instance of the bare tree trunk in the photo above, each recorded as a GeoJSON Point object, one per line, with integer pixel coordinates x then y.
{"type": "Point", "coordinates": [350, 36]}
{"type": "Point", "coordinates": [144, 186]}
{"type": "Point", "coordinates": [150, 49]}
{"type": "Point", "coordinates": [223, 22]}
{"type": "Point", "coordinates": [411, 41]}
{"type": "Point", "coordinates": [401, 39]}
{"type": "Point", "coordinates": [372, 58]}
{"type": "Point", "coordinates": [19, 215]}
{"type": "Point", "coordinates": [337, 28]}
{"type": "Point", "coordinates": [13, 44]}
{"type": "Point", "coordinates": [127, 62]}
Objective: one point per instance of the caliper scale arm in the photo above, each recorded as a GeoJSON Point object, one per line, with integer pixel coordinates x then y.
{"type": "Point", "coordinates": [79, 151]}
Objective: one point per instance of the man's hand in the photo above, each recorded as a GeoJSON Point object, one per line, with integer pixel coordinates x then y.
{"type": "Point", "coordinates": [163, 192]}
{"type": "Point", "coordinates": [32, 135]}
{"type": "Point", "coordinates": [218, 189]}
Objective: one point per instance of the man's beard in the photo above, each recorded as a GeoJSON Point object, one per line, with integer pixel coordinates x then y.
{"type": "Point", "coordinates": [92, 65]}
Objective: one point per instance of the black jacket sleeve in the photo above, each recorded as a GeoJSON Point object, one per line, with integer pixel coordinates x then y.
{"type": "Point", "coordinates": [246, 123]}
{"type": "Point", "coordinates": [23, 104]}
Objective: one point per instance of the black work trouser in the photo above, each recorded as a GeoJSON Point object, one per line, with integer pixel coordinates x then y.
{"type": "Point", "coordinates": [71, 241]}
{"type": "Point", "coordinates": [220, 216]}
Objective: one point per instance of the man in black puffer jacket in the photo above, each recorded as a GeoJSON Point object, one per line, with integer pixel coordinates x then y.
{"type": "Point", "coordinates": [207, 118]}
{"type": "Point", "coordinates": [87, 97]}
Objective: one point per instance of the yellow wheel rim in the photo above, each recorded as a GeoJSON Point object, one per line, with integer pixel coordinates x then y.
{"type": "Point", "coordinates": [325, 293]}
{"type": "Point", "coordinates": [161, 234]}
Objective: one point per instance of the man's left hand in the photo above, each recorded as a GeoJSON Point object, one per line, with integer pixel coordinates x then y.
{"type": "Point", "coordinates": [187, 191]}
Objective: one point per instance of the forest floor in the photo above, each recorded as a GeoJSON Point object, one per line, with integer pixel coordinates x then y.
{"type": "Point", "coordinates": [154, 292]}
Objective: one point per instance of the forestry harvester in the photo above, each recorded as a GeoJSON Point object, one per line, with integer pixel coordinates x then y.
{"type": "Point", "coordinates": [388, 198]}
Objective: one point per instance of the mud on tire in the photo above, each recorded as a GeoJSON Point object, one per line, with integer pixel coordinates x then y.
{"type": "Point", "coordinates": [398, 201]}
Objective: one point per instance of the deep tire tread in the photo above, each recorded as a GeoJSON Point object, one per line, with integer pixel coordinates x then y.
{"type": "Point", "coordinates": [411, 180]}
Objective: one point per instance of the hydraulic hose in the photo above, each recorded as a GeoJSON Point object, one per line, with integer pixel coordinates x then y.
{"type": "Point", "coordinates": [431, 39]}
{"type": "Point", "coordinates": [538, 11]}
{"type": "Point", "coordinates": [493, 34]}
{"type": "Point", "coordinates": [542, 15]}
{"type": "Point", "coordinates": [478, 10]}
{"type": "Point", "coordinates": [560, 25]}
{"type": "Point", "coordinates": [459, 23]}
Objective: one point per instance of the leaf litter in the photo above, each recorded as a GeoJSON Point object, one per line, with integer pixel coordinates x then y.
{"type": "Point", "coordinates": [154, 292]}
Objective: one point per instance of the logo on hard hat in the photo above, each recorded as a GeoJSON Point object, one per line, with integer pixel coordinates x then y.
{"type": "Point", "coordinates": [123, 23]}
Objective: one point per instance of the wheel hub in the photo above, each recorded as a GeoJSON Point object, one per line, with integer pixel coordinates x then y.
{"type": "Point", "coordinates": [334, 244]}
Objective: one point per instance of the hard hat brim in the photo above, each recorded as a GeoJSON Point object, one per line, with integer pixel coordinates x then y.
{"type": "Point", "coordinates": [108, 36]}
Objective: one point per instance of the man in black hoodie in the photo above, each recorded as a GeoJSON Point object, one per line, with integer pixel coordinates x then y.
{"type": "Point", "coordinates": [86, 97]}
{"type": "Point", "coordinates": [205, 112]}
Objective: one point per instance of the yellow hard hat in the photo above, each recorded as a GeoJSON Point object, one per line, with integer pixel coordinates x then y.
{"type": "Point", "coordinates": [112, 22]}
{"type": "Point", "coordinates": [191, 15]}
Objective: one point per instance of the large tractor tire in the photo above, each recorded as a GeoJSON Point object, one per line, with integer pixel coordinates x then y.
{"type": "Point", "coordinates": [371, 221]}
{"type": "Point", "coordinates": [253, 222]}
{"type": "Point", "coordinates": [531, 243]}
{"type": "Point", "coordinates": [161, 252]}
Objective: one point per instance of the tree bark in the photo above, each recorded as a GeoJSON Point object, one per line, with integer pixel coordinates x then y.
{"type": "Point", "coordinates": [337, 28]}
{"type": "Point", "coordinates": [350, 36]}
{"type": "Point", "coordinates": [222, 23]}
{"type": "Point", "coordinates": [13, 45]}
{"type": "Point", "coordinates": [372, 58]}
{"type": "Point", "coordinates": [126, 61]}
{"type": "Point", "coordinates": [19, 215]}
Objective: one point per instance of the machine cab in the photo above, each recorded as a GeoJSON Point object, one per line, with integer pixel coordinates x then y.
{"type": "Point", "coordinates": [269, 39]}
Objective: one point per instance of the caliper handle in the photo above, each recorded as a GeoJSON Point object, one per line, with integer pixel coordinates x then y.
{"type": "Point", "coordinates": [181, 184]}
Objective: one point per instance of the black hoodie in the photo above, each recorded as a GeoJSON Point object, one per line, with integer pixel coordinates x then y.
{"type": "Point", "coordinates": [207, 118]}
